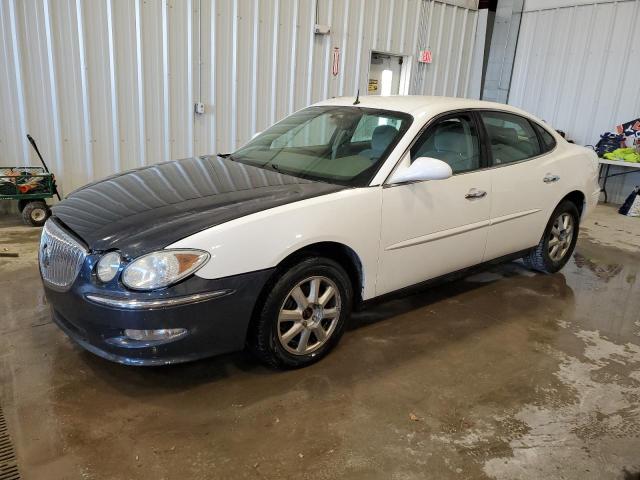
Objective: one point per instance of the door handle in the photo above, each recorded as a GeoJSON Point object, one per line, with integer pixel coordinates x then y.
{"type": "Point", "coordinates": [475, 193]}
{"type": "Point", "coordinates": [550, 178]}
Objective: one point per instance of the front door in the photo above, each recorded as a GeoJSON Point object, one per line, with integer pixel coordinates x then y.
{"type": "Point", "coordinates": [436, 227]}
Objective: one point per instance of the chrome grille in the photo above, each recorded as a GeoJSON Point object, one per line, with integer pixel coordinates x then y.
{"type": "Point", "coordinates": [60, 257]}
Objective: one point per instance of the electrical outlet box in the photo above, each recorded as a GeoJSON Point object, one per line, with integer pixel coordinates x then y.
{"type": "Point", "coordinates": [322, 29]}
{"type": "Point", "coordinates": [199, 108]}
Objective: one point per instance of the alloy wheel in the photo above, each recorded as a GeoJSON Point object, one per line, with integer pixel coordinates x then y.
{"type": "Point", "coordinates": [309, 315]}
{"type": "Point", "coordinates": [560, 237]}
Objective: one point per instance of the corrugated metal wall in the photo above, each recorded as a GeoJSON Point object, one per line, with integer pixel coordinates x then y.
{"type": "Point", "coordinates": [577, 67]}
{"type": "Point", "coordinates": [110, 85]}
{"type": "Point", "coordinates": [449, 31]}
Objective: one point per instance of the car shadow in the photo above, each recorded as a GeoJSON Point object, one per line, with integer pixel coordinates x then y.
{"type": "Point", "coordinates": [379, 321]}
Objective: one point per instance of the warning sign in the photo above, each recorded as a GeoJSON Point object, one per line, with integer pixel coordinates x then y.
{"type": "Point", "coordinates": [425, 56]}
{"type": "Point", "coordinates": [373, 85]}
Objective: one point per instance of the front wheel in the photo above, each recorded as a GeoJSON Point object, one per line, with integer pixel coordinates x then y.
{"type": "Point", "coordinates": [303, 315]}
{"type": "Point", "coordinates": [557, 243]}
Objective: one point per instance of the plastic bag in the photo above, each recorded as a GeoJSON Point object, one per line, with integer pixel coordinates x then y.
{"type": "Point", "coordinates": [624, 155]}
{"type": "Point", "coordinates": [634, 211]}
{"type": "Point", "coordinates": [608, 143]}
{"type": "Point", "coordinates": [631, 206]}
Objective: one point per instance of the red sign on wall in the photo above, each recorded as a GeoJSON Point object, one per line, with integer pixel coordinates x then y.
{"type": "Point", "coordinates": [425, 56]}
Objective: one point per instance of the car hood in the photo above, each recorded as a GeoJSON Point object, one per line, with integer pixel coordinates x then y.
{"type": "Point", "coordinates": [146, 209]}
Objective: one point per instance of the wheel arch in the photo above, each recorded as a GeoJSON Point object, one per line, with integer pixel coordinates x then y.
{"type": "Point", "coordinates": [578, 198]}
{"type": "Point", "coordinates": [339, 252]}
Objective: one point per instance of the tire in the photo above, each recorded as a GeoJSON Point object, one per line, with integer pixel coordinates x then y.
{"type": "Point", "coordinates": [285, 333]}
{"type": "Point", "coordinates": [544, 258]}
{"type": "Point", "coordinates": [35, 213]}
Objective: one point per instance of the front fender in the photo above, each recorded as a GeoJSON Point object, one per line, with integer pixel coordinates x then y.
{"type": "Point", "coordinates": [262, 240]}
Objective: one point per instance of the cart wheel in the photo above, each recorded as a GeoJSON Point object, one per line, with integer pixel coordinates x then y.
{"type": "Point", "coordinates": [35, 213]}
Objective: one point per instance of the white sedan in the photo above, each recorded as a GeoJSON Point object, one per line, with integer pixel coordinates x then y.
{"type": "Point", "coordinates": [271, 247]}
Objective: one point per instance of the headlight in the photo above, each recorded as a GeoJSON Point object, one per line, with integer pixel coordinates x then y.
{"type": "Point", "coordinates": [108, 266]}
{"type": "Point", "coordinates": [163, 268]}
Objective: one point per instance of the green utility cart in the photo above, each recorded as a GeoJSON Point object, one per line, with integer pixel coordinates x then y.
{"type": "Point", "coordinates": [30, 186]}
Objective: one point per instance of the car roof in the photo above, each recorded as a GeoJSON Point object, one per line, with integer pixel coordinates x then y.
{"type": "Point", "coordinates": [421, 105]}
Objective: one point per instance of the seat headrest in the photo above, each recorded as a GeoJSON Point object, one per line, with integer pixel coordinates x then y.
{"type": "Point", "coordinates": [508, 136]}
{"type": "Point", "coordinates": [449, 138]}
{"type": "Point", "coordinates": [382, 137]}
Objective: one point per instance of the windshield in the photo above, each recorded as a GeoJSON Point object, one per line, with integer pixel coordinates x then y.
{"type": "Point", "coordinates": [335, 144]}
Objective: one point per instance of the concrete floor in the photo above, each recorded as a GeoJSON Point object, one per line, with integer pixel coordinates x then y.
{"type": "Point", "coordinates": [505, 374]}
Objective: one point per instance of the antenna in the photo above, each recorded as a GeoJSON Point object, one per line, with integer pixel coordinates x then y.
{"type": "Point", "coordinates": [357, 98]}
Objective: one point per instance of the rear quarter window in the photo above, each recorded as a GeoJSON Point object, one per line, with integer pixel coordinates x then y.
{"type": "Point", "coordinates": [548, 143]}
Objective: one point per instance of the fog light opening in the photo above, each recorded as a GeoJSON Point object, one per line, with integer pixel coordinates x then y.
{"type": "Point", "coordinates": [162, 334]}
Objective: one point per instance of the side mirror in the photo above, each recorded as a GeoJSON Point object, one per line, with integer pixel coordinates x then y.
{"type": "Point", "coordinates": [422, 168]}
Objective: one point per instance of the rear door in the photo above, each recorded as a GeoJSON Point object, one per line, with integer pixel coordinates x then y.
{"type": "Point", "coordinates": [525, 182]}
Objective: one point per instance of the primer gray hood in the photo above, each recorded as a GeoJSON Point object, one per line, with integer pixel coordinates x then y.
{"type": "Point", "coordinates": [143, 210]}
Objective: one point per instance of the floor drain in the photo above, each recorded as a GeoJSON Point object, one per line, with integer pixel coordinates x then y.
{"type": "Point", "coordinates": [8, 465]}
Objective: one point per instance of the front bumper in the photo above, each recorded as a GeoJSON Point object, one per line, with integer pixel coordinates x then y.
{"type": "Point", "coordinates": [215, 323]}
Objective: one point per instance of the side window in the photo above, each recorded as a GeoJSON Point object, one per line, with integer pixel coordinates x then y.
{"type": "Point", "coordinates": [548, 142]}
{"type": "Point", "coordinates": [511, 137]}
{"type": "Point", "coordinates": [453, 140]}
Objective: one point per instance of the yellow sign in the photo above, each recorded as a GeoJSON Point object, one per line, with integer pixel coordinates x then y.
{"type": "Point", "coordinates": [373, 85]}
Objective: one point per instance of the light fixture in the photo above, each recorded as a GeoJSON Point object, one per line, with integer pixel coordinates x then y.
{"type": "Point", "coordinates": [108, 266]}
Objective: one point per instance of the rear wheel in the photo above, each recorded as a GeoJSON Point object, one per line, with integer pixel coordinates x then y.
{"type": "Point", "coordinates": [303, 315]}
{"type": "Point", "coordinates": [35, 213]}
{"type": "Point", "coordinates": [558, 242]}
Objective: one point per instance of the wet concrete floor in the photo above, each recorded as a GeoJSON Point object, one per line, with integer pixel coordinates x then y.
{"type": "Point", "coordinates": [506, 374]}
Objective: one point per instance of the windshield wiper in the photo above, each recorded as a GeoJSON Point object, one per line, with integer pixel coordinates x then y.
{"type": "Point", "coordinates": [223, 155]}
